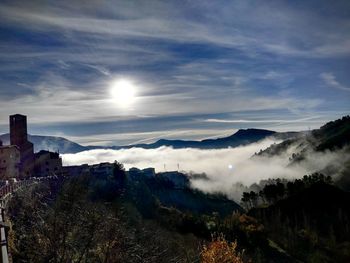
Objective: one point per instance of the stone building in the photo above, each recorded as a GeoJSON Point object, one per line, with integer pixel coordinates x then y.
{"type": "Point", "coordinates": [102, 169]}
{"type": "Point", "coordinates": [9, 162]}
{"type": "Point", "coordinates": [47, 163]}
{"type": "Point", "coordinates": [19, 137]}
{"type": "Point", "coordinates": [76, 170]}
{"type": "Point", "coordinates": [135, 173]}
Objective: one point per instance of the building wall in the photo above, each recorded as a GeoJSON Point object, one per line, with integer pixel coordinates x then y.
{"type": "Point", "coordinates": [135, 173]}
{"type": "Point", "coordinates": [18, 137]}
{"type": "Point", "coordinates": [47, 163]}
{"type": "Point", "coordinates": [76, 170]}
{"type": "Point", "coordinates": [18, 129]}
{"type": "Point", "coordinates": [9, 162]}
{"type": "Point", "coordinates": [102, 169]}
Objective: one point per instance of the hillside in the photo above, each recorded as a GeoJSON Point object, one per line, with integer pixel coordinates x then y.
{"type": "Point", "coordinates": [118, 218]}
{"type": "Point", "coordinates": [334, 134]}
{"type": "Point", "coordinates": [331, 136]}
{"type": "Point", "coordinates": [315, 219]}
{"type": "Point", "coordinates": [332, 139]}
{"type": "Point", "coordinates": [188, 199]}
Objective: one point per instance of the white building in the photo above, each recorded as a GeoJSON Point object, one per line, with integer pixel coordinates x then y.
{"type": "Point", "coordinates": [9, 162]}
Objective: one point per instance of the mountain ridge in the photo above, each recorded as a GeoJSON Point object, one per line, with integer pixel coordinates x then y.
{"type": "Point", "coordinates": [332, 135]}
{"type": "Point", "coordinates": [241, 137]}
{"type": "Point", "coordinates": [50, 143]}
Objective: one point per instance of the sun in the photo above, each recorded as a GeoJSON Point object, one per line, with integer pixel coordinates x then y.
{"type": "Point", "coordinates": [123, 92]}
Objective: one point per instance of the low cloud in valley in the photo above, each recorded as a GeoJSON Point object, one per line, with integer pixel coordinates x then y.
{"type": "Point", "coordinates": [226, 169]}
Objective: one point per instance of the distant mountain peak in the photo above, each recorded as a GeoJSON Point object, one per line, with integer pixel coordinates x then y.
{"type": "Point", "coordinates": [49, 143]}
{"type": "Point", "coordinates": [252, 131]}
{"type": "Point", "coordinates": [241, 137]}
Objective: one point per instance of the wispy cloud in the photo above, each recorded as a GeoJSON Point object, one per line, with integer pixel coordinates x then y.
{"type": "Point", "coordinates": [331, 81]}
{"type": "Point", "coordinates": [308, 120]}
{"type": "Point", "coordinates": [187, 58]}
{"type": "Point", "coordinates": [154, 24]}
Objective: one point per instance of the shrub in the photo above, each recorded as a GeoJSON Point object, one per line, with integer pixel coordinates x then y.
{"type": "Point", "coordinates": [220, 251]}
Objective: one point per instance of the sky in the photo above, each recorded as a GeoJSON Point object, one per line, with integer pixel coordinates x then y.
{"type": "Point", "coordinates": [186, 69]}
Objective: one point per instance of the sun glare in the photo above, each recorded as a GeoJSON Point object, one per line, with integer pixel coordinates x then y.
{"type": "Point", "coordinates": [123, 93]}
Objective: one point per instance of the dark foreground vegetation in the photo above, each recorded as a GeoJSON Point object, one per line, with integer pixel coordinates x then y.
{"type": "Point", "coordinates": [114, 219]}
{"type": "Point", "coordinates": [147, 219]}
{"type": "Point", "coordinates": [309, 217]}
{"type": "Point", "coordinates": [89, 219]}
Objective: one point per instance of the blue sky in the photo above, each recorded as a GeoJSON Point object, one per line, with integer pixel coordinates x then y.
{"type": "Point", "coordinates": [200, 68]}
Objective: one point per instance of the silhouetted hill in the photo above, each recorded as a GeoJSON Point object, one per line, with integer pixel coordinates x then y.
{"type": "Point", "coordinates": [50, 143]}
{"type": "Point", "coordinates": [331, 136]}
{"type": "Point", "coordinates": [334, 134]}
{"type": "Point", "coordinates": [241, 137]}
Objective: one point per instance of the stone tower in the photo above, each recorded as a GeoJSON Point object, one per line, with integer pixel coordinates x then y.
{"type": "Point", "coordinates": [19, 137]}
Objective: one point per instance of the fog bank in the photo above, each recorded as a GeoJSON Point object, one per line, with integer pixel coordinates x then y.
{"type": "Point", "coordinates": [225, 168]}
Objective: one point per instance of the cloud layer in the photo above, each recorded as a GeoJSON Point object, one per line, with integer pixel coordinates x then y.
{"type": "Point", "coordinates": [226, 169]}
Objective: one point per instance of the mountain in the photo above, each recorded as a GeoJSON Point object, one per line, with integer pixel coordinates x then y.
{"type": "Point", "coordinates": [50, 143]}
{"type": "Point", "coordinates": [334, 134]}
{"type": "Point", "coordinates": [241, 137]}
{"type": "Point", "coordinates": [331, 136]}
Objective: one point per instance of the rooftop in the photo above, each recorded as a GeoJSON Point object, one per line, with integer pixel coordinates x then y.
{"type": "Point", "coordinates": [53, 155]}
{"type": "Point", "coordinates": [9, 146]}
